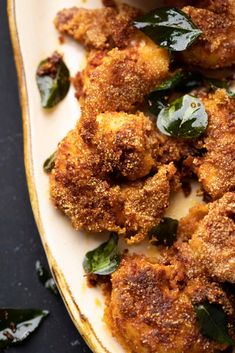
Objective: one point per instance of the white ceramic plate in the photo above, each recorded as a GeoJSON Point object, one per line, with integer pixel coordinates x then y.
{"type": "Point", "coordinates": [34, 38]}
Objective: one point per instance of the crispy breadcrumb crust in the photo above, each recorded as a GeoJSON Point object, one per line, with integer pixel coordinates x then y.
{"type": "Point", "coordinates": [215, 48]}
{"type": "Point", "coordinates": [214, 239]}
{"type": "Point", "coordinates": [216, 45]}
{"type": "Point", "coordinates": [90, 181]}
{"type": "Point", "coordinates": [111, 27]}
{"type": "Point", "coordinates": [124, 77]}
{"type": "Point", "coordinates": [216, 168]}
{"type": "Point", "coordinates": [151, 306]}
{"type": "Point", "coordinates": [125, 143]}
{"type": "Point", "coordinates": [103, 28]}
{"type": "Point", "coordinates": [188, 224]}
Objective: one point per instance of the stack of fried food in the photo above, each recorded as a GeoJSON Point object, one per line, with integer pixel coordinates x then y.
{"type": "Point", "coordinates": [115, 171]}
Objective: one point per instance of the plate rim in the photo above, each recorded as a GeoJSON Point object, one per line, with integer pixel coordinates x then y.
{"type": "Point", "coordinates": [80, 321]}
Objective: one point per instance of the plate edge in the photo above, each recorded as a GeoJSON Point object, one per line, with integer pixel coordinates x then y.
{"type": "Point", "coordinates": [80, 321]}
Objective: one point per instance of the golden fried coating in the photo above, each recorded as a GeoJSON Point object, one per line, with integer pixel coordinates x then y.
{"type": "Point", "coordinates": [188, 224]}
{"type": "Point", "coordinates": [116, 79]}
{"type": "Point", "coordinates": [217, 6]}
{"type": "Point", "coordinates": [216, 169]}
{"type": "Point", "coordinates": [123, 78]}
{"type": "Point", "coordinates": [129, 144]}
{"type": "Point", "coordinates": [146, 201]}
{"type": "Point", "coordinates": [216, 46]}
{"type": "Point", "coordinates": [214, 239]}
{"type": "Point", "coordinates": [151, 307]}
{"type": "Point", "coordinates": [103, 28]}
{"type": "Point", "coordinates": [90, 180]}
{"type": "Point", "coordinates": [125, 143]}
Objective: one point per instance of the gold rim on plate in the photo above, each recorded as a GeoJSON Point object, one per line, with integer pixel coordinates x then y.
{"type": "Point", "coordinates": [81, 322]}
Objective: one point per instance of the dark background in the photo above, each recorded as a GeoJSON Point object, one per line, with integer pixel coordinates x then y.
{"type": "Point", "coordinates": [20, 245]}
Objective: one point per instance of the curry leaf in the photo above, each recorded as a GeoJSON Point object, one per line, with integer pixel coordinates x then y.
{"type": "Point", "coordinates": [184, 82]}
{"type": "Point", "coordinates": [17, 324]}
{"type": "Point", "coordinates": [169, 27]}
{"type": "Point", "coordinates": [172, 82]}
{"type": "Point", "coordinates": [213, 322]}
{"type": "Point", "coordinates": [215, 84]}
{"type": "Point", "coordinates": [181, 81]}
{"type": "Point", "coordinates": [157, 99]}
{"type": "Point", "coordinates": [53, 82]}
{"type": "Point", "coordinates": [184, 118]}
{"type": "Point", "coordinates": [156, 103]}
{"type": "Point", "coordinates": [45, 278]}
{"type": "Point", "coordinates": [165, 232]}
{"type": "Point", "coordinates": [49, 163]}
{"type": "Point", "coordinates": [104, 259]}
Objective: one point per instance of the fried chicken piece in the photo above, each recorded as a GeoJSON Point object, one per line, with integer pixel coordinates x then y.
{"type": "Point", "coordinates": [116, 79]}
{"type": "Point", "coordinates": [151, 307]}
{"type": "Point", "coordinates": [215, 48]}
{"type": "Point", "coordinates": [130, 145]}
{"type": "Point", "coordinates": [92, 188]}
{"type": "Point", "coordinates": [146, 201]}
{"type": "Point", "coordinates": [103, 28]}
{"type": "Point", "coordinates": [123, 78]}
{"type": "Point", "coordinates": [214, 239]}
{"type": "Point", "coordinates": [216, 169]}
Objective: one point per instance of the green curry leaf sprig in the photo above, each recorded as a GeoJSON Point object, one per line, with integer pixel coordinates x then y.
{"type": "Point", "coordinates": [213, 322]}
{"type": "Point", "coordinates": [104, 259]}
{"type": "Point", "coordinates": [53, 81]}
{"type": "Point", "coordinates": [183, 82]}
{"type": "Point", "coordinates": [169, 27]}
{"type": "Point", "coordinates": [45, 278]}
{"type": "Point", "coordinates": [165, 232]}
{"type": "Point", "coordinates": [184, 118]}
{"type": "Point", "coordinates": [17, 324]}
{"type": "Point", "coordinates": [49, 163]}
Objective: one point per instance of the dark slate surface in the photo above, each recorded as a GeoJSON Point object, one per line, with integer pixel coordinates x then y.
{"type": "Point", "coordinates": [20, 244]}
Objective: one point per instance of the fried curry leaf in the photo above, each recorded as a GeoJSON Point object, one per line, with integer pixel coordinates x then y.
{"type": "Point", "coordinates": [17, 324]}
{"type": "Point", "coordinates": [49, 163]}
{"type": "Point", "coordinates": [104, 259]}
{"type": "Point", "coordinates": [184, 118]}
{"type": "Point", "coordinates": [45, 278]}
{"type": "Point", "coordinates": [184, 82]}
{"type": "Point", "coordinates": [172, 82]}
{"type": "Point", "coordinates": [213, 322]}
{"type": "Point", "coordinates": [156, 103]}
{"type": "Point", "coordinates": [181, 81]}
{"type": "Point", "coordinates": [215, 84]}
{"type": "Point", "coordinates": [53, 82]}
{"type": "Point", "coordinates": [165, 232]}
{"type": "Point", "coordinates": [169, 27]}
